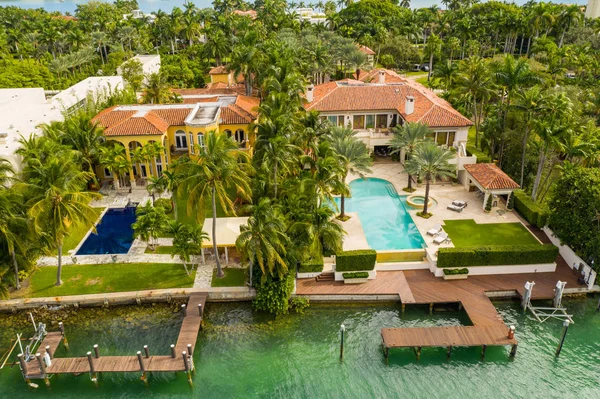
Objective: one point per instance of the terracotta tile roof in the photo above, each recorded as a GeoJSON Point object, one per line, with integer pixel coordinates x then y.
{"type": "Point", "coordinates": [366, 50]}
{"type": "Point", "coordinates": [372, 76]}
{"type": "Point", "coordinates": [173, 116]}
{"type": "Point", "coordinates": [235, 115]}
{"type": "Point", "coordinates": [248, 104]}
{"type": "Point", "coordinates": [250, 13]}
{"type": "Point", "coordinates": [218, 88]}
{"type": "Point", "coordinates": [352, 95]}
{"type": "Point", "coordinates": [218, 70]}
{"type": "Point", "coordinates": [490, 176]}
{"type": "Point", "coordinates": [148, 124]}
{"type": "Point", "coordinates": [109, 117]}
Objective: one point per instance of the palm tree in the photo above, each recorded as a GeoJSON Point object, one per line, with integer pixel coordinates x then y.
{"type": "Point", "coordinates": [215, 169]}
{"type": "Point", "coordinates": [155, 185]}
{"type": "Point", "coordinates": [187, 241]}
{"type": "Point", "coordinates": [408, 137]}
{"type": "Point", "coordinates": [60, 203]}
{"type": "Point", "coordinates": [359, 61]}
{"type": "Point", "coordinates": [245, 61]}
{"type": "Point", "coordinates": [571, 15]}
{"type": "Point", "coordinates": [156, 89]}
{"type": "Point", "coordinates": [263, 240]}
{"type": "Point", "coordinates": [85, 137]}
{"type": "Point", "coordinates": [446, 71]}
{"type": "Point", "coordinates": [432, 48]}
{"type": "Point", "coordinates": [151, 221]}
{"type": "Point", "coordinates": [430, 162]}
{"type": "Point", "coordinates": [171, 182]}
{"type": "Point", "coordinates": [475, 80]}
{"type": "Point", "coordinates": [530, 102]}
{"type": "Point", "coordinates": [353, 156]}
{"type": "Point", "coordinates": [276, 153]}
{"type": "Point", "coordinates": [324, 232]}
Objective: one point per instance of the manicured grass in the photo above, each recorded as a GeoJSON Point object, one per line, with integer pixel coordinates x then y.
{"type": "Point", "coordinates": [413, 73]}
{"type": "Point", "coordinates": [233, 278]}
{"type": "Point", "coordinates": [76, 234]}
{"type": "Point", "coordinates": [422, 80]}
{"type": "Point", "coordinates": [191, 219]}
{"type": "Point", "coordinates": [114, 277]}
{"type": "Point", "coordinates": [467, 233]}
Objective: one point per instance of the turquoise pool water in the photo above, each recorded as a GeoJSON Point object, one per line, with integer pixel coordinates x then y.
{"type": "Point", "coordinates": [383, 215]}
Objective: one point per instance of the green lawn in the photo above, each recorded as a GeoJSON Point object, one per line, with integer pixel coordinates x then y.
{"type": "Point", "coordinates": [191, 219]}
{"type": "Point", "coordinates": [233, 278]}
{"type": "Point", "coordinates": [467, 233]}
{"type": "Point", "coordinates": [76, 234]}
{"type": "Point", "coordinates": [113, 277]}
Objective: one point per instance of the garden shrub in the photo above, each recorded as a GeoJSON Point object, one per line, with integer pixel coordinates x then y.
{"type": "Point", "coordinates": [497, 255]}
{"type": "Point", "coordinates": [352, 275]}
{"type": "Point", "coordinates": [311, 266]}
{"type": "Point", "coordinates": [164, 203]}
{"type": "Point", "coordinates": [299, 303]}
{"type": "Point", "coordinates": [357, 260]}
{"type": "Point", "coordinates": [273, 294]}
{"type": "Point", "coordinates": [450, 272]}
{"type": "Point", "coordinates": [481, 156]}
{"type": "Point", "coordinates": [532, 212]}
{"type": "Point", "coordinates": [488, 204]}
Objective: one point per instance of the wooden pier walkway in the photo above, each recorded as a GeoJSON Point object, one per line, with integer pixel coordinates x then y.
{"type": "Point", "coordinates": [188, 335]}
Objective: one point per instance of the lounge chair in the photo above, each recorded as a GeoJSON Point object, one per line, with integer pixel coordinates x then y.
{"type": "Point", "coordinates": [441, 238]}
{"type": "Point", "coordinates": [455, 208]}
{"type": "Point", "coordinates": [462, 204]}
{"type": "Point", "coordinates": [435, 230]}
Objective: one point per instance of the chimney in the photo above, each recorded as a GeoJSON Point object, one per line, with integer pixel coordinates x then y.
{"type": "Point", "coordinates": [409, 108]}
{"type": "Point", "coordinates": [381, 77]}
{"type": "Point", "coordinates": [310, 93]}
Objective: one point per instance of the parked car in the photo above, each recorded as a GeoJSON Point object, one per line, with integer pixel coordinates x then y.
{"type": "Point", "coordinates": [425, 68]}
{"type": "Point", "coordinates": [570, 75]}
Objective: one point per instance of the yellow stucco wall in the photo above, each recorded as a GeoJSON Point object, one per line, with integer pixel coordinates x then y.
{"type": "Point", "coordinates": [220, 78]}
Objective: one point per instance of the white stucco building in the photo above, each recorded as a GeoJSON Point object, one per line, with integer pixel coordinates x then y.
{"type": "Point", "coordinates": [593, 9]}
{"type": "Point", "coordinates": [150, 64]}
{"type": "Point", "coordinates": [23, 110]}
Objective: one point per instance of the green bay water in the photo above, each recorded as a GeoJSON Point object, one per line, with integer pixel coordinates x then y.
{"type": "Point", "coordinates": [243, 354]}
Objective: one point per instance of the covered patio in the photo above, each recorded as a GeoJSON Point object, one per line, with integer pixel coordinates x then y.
{"type": "Point", "coordinates": [490, 180]}
{"type": "Point", "coordinates": [227, 232]}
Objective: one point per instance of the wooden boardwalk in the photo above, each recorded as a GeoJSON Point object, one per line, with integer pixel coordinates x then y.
{"type": "Point", "coordinates": [188, 334]}
{"type": "Point", "coordinates": [422, 287]}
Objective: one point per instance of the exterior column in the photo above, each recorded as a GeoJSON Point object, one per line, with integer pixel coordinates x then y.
{"type": "Point", "coordinates": [131, 175]}
{"type": "Point", "coordinates": [485, 199]}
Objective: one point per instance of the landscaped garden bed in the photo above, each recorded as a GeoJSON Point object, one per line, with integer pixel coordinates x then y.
{"type": "Point", "coordinates": [456, 274]}
{"type": "Point", "coordinates": [355, 277]}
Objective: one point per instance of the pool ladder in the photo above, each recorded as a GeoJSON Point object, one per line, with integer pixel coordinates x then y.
{"type": "Point", "coordinates": [392, 190]}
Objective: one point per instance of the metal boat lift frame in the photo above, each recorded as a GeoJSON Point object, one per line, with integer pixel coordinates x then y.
{"type": "Point", "coordinates": [544, 313]}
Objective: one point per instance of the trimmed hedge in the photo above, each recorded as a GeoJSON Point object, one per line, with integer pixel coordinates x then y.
{"type": "Point", "coordinates": [358, 260]}
{"type": "Point", "coordinates": [531, 211]}
{"type": "Point", "coordinates": [355, 275]}
{"type": "Point", "coordinates": [311, 266]}
{"type": "Point", "coordinates": [450, 272]}
{"type": "Point", "coordinates": [497, 255]}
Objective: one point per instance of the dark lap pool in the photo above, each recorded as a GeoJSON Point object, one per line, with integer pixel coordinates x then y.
{"type": "Point", "coordinates": [114, 234]}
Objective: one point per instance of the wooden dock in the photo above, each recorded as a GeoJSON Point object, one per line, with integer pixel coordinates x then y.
{"type": "Point", "coordinates": [188, 335]}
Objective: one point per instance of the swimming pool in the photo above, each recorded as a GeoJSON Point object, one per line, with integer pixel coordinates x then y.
{"type": "Point", "coordinates": [114, 233]}
{"type": "Point", "coordinates": [383, 215]}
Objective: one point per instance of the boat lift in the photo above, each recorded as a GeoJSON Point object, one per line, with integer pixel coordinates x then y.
{"type": "Point", "coordinates": [30, 349]}
{"type": "Point", "coordinates": [544, 313]}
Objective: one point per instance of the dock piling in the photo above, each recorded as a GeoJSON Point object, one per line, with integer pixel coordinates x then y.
{"type": "Point", "coordinates": [342, 329]}
{"type": "Point", "coordinates": [141, 361]}
{"type": "Point", "coordinates": [483, 348]}
{"type": "Point", "coordinates": [189, 350]}
{"type": "Point", "coordinates": [96, 351]}
{"type": "Point", "coordinates": [49, 352]}
{"type": "Point", "coordinates": [186, 364]}
{"type": "Point", "coordinates": [200, 311]}
{"type": "Point", "coordinates": [511, 332]}
{"type": "Point", "coordinates": [449, 352]}
{"type": "Point", "coordinates": [431, 308]}
{"type": "Point", "coordinates": [184, 310]}
{"type": "Point", "coordinates": [566, 324]}
{"type": "Point", "coordinates": [513, 350]}
{"type": "Point", "coordinates": [91, 362]}
{"type": "Point", "coordinates": [61, 327]}
{"type": "Point", "coordinates": [418, 353]}
{"type": "Point", "coordinates": [38, 356]}
{"type": "Point", "coordinates": [403, 308]}
{"type": "Point", "coordinates": [146, 351]}
{"type": "Point", "coordinates": [173, 354]}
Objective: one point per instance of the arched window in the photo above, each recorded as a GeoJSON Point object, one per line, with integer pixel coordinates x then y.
{"type": "Point", "coordinates": [180, 140]}
{"type": "Point", "coordinates": [228, 133]}
{"type": "Point", "coordinates": [240, 137]}
{"type": "Point", "coordinates": [192, 141]}
{"type": "Point", "coordinates": [200, 141]}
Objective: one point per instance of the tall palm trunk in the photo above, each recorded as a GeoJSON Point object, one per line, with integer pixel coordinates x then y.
{"type": "Point", "coordinates": [342, 206]}
{"type": "Point", "coordinates": [251, 266]}
{"type": "Point", "coordinates": [16, 267]}
{"type": "Point", "coordinates": [427, 180]}
{"type": "Point", "coordinates": [59, 269]}
{"type": "Point", "coordinates": [523, 153]}
{"type": "Point", "coordinates": [214, 233]}
{"type": "Point", "coordinates": [540, 169]}
{"type": "Point", "coordinates": [476, 124]}
{"type": "Point", "coordinates": [430, 67]}
{"type": "Point", "coordinates": [174, 205]}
